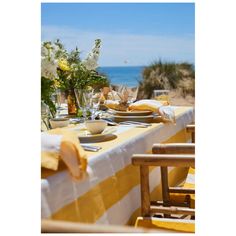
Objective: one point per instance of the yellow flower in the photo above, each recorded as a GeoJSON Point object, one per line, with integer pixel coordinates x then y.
{"type": "Point", "coordinates": [56, 83]}
{"type": "Point", "coordinates": [63, 65]}
{"type": "Point", "coordinates": [89, 88]}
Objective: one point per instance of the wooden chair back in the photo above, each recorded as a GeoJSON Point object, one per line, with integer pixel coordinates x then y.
{"type": "Point", "coordinates": [172, 148]}
{"type": "Point", "coordinates": [163, 160]}
{"type": "Point", "coordinates": [191, 129]}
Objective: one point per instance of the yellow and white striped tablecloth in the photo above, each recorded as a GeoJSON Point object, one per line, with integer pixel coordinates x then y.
{"type": "Point", "coordinates": [110, 192]}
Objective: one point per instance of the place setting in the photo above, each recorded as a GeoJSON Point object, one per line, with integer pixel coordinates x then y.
{"type": "Point", "coordinates": [96, 131]}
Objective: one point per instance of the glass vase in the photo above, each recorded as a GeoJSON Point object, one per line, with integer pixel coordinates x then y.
{"type": "Point", "coordinates": [71, 102]}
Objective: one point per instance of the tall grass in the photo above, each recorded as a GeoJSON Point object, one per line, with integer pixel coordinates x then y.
{"type": "Point", "coordinates": [167, 75]}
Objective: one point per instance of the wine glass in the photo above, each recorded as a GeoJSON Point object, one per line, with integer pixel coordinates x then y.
{"type": "Point", "coordinates": [56, 98]}
{"type": "Point", "coordinates": [95, 103]}
{"type": "Point", "coordinates": [83, 98]}
{"type": "Point", "coordinates": [45, 115]}
{"type": "Point", "coordinates": [162, 95]}
{"type": "Point", "coordinates": [132, 94]}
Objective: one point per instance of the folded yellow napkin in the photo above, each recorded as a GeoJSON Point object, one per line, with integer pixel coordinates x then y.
{"type": "Point", "coordinates": [164, 110]}
{"type": "Point", "coordinates": [63, 144]}
{"type": "Point", "coordinates": [111, 104]}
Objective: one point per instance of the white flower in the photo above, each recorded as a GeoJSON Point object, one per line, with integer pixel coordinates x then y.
{"type": "Point", "coordinates": [90, 62]}
{"type": "Point", "coordinates": [49, 68]}
{"type": "Point", "coordinates": [48, 62]}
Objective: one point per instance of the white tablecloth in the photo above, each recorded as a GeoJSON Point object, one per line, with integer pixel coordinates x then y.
{"type": "Point", "coordinates": [60, 191]}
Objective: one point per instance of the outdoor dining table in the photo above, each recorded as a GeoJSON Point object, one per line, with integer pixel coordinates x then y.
{"type": "Point", "coordinates": [109, 193]}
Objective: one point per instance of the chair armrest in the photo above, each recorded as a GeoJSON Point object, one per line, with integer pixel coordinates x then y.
{"type": "Point", "coordinates": [184, 160]}
{"type": "Point", "coordinates": [173, 148]}
{"type": "Point", "coordinates": [190, 128]}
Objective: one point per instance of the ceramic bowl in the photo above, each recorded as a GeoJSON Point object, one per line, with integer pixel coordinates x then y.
{"type": "Point", "coordinates": [95, 126]}
{"type": "Point", "coordinates": [59, 122]}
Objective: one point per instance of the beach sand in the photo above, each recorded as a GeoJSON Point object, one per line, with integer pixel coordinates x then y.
{"type": "Point", "coordinates": [177, 100]}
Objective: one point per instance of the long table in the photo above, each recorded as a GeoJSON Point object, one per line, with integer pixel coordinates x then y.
{"type": "Point", "coordinates": [109, 193]}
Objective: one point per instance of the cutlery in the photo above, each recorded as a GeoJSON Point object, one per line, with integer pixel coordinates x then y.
{"type": "Point", "coordinates": [137, 124]}
{"type": "Point", "coordinates": [109, 121]}
{"type": "Point", "coordinates": [91, 148]}
{"type": "Point", "coordinates": [133, 125]}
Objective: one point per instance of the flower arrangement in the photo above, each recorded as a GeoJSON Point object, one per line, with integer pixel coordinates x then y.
{"type": "Point", "coordinates": [66, 71]}
{"type": "Point", "coordinates": [49, 65]}
{"type": "Point", "coordinates": [74, 73]}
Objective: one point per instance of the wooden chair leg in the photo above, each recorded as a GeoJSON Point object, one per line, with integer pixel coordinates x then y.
{"type": "Point", "coordinates": [165, 188]}
{"type": "Point", "coordinates": [193, 137]}
{"type": "Point", "coordinates": [145, 192]}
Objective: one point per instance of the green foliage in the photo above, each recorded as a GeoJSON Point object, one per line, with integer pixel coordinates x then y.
{"type": "Point", "coordinates": [78, 76]}
{"type": "Point", "coordinates": [65, 70]}
{"type": "Point", "coordinates": [166, 75]}
{"type": "Point", "coordinates": [47, 89]}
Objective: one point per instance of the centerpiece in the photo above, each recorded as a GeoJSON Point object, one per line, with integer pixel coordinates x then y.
{"type": "Point", "coordinates": [66, 71]}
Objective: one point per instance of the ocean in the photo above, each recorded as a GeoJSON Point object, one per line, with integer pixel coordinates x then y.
{"type": "Point", "coordinates": [123, 75]}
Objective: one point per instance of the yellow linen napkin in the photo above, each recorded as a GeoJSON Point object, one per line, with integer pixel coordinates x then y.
{"type": "Point", "coordinates": [111, 104]}
{"type": "Point", "coordinates": [164, 110]}
{"type": "Point", "coordinates": [63, 144]}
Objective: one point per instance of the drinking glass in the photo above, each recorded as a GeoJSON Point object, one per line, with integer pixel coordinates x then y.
{"type": "Point", "coordinates": [83, 98]}
{"type": "Point", "coordinates": [95, 103]}
{"type": "Point", "coordinates": [45, 115]}
{"type": "Point", "coordinates": [56, 98]}
{"type": "Point", "coordinates": [162, 95]}
{"type": "Point", "coordinates": [133, 93]}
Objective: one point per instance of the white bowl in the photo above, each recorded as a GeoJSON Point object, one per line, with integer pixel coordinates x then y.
{"type": "Point", "coordinates": [59, 122]}
{"type": "Point", "coordinates": [95, 126]}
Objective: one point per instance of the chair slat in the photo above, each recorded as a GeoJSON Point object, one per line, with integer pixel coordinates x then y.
{"type": "Point", "coordinates": [181, 190]}
{"type": "Point", "coordinates": [172, 210]}
{"type": "Point", "coordinates": [164, 160]}
{"type": "Point", "coordinates": [173, 148]}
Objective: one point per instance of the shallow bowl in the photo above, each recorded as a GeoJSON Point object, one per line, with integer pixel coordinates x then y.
{"type": "Point", "coordinates": [95, 126]}
{"type": "Point", "coordinates": [59, 122]}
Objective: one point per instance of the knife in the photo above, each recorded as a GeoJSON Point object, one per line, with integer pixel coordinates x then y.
{"type": "Point", "coordinates": [91, 148]}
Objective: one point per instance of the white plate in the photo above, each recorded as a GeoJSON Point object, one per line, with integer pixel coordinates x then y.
{"type": "Point", "coordinates": [85, 136]}
{"type": "Point", "coordinates": [145, 119]}
{"type": "Point", "coordinates": [133, 113]}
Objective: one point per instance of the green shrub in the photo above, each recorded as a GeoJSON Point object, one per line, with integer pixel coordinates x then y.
{"type": "Point", "coordinates": [167, 75]}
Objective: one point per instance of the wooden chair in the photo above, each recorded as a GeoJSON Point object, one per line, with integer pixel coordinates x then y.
{"type": "Point", "coordinates": [149, 209]}
{"type": "Point", "coordinates": [174, 196]}
{"type": "Point", "coordinates": [191, 129]}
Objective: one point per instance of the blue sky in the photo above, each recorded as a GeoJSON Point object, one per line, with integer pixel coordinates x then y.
{"type": "Point", "coordinates": [131, 32]}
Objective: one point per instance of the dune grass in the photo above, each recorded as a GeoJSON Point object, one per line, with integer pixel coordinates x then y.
{"type": "Point", "coordinates": [168, 75]}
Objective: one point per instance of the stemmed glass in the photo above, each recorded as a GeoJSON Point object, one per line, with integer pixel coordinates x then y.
{"type": "Point", "coordinates": [94, 105]}
{"type": "Point", "coordinates": [56, 98]}
{"type": "Point", "coordinates": [133, 95]}
{"type": "Point", "coordinates": [83, 98]}
{"type": "Point", "coordinates": [45, 116]}
{"type": "Point", "coordinates": [162, 95]}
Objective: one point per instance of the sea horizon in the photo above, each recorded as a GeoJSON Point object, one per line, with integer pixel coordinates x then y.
{"type": "Point", "coordinates": [123, 75]}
